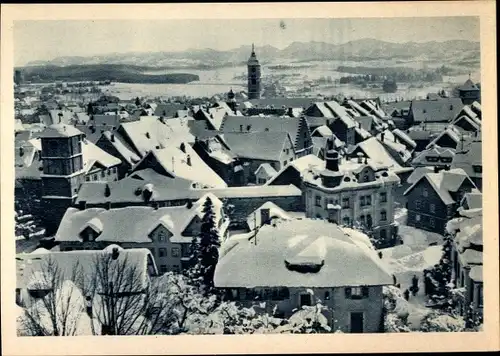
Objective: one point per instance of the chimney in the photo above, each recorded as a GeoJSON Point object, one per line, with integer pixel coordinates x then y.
{"type": "Point", "coordinates": [265, 217]}
{"type": "Point", "coordinates": [382, 135]}
{"type": "Point", "coordinates": [183, 147]}
{"type": "Point", "coordinates": [188, 160]}
{"type": "Point", "coordinates": [366, 160]}
{"type": "Point", "coordinates": [332, 160]}
{"type": "Point", "coordinates": [360, 157]}
{"type": "Point", "coordinates": [241, 128]}
{"type": "Point", "coordinates": [21, 151]}
{"type": "Point", "coordinates": [447, 167]}
{"type": "Point", "coordinates": [107, 191]}
{"type": "Point", "coordinates": [112, 137]}
{"type": "Point", "coordinates": [115, 253]}
{"type": "Point", "coordinates": [436, 169]}
{"type": "Point", "coordinates": [147, 135]}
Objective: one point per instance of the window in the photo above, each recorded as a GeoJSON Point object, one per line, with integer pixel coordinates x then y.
{"type": "Point", "coordinates": [356, 292]}
{"type": "Point", "coordinates": [162, 236]}
{"type": "Point", "coordinates": [480, 296]}
{"type": "Point", "coordinates": [87, 178]}
{"type": "Point", "coordinates": [383, 234]}
{"type": "Point", "coordinates": [327, 295]}
{"type": "Point", "coordinates": [418, 204]}
{"type": "Point", "coordinates": [362, 201]}
{"type": "Point", "coordinates": [318, 200]}
{"type": "Point", "coordinates": [175, 252]}
{"type": "Point", "coordinates": [383, 197]}
{"type": "Point", "coordinates": [254, 81]}
{"type": "Point", "coordinates": [432, 208]}
{"type": "Point", "coordinates": [346, 220]}
{"type": "Point", "coordinates": [162, 252]}
{"type": "Point", "coordinates": [432, 222]}
{"type": "Point", "coordinates": [383, 215]}
{"type": "Point", "coordinates": [163, 268]}
{"type": "Point", "coordinates": [305, 299]}
{"type": "Point", "coordinates": [109, 172]}
{"type": "Point", "coordinates": [94, 177]}
{"type": "Point", "coordinates": [417, 217]}
{"type": "Point", "coordinates": [362, 219]}
{"type": "Point", "coordinates": [345, 202]}
{"type": "Point", "coordinates": [369, 221]}
{"type": "Point", "coordinates": [425, 192]}
{"type": "Point", "coordinates": [103, 174]}
{"type": "Point", "coordinates": [285, 162]}
{"type": "Point", "coordinates": [368, 200]}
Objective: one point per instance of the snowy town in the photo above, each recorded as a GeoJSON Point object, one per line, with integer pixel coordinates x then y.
{"type": "Point", "coordinates": [256, 210]}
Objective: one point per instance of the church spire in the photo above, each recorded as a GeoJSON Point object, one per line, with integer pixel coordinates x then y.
{"type": "Point", "coordinates": [253, 51]}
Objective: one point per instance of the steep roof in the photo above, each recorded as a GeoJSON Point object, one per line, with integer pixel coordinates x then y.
{"type": "Point", "coordinates": [93, 154]}
{"type": "Point", "coordinates": [434, 151]}
{"type": "Point", "coordinates": [343, 260]}
{"type": "Point", "coordinates": [468, 85]}
{"type": "Point", "coordinates": [323, 131]}
{"type": "Point", "coordinates": [443, 183]}
{"type": "Point", "coordinates": [474, 200]}
{"type": "Point", "coordinates": [440, 110]}
{"type": "Point", "coordinates": [267, 169]}
{"type": "Point", "coordinates": [152, 132]}
{"type": "Point", "coordinates": [407, 140]}
{"type": "Point", "coordinates": [175, 163]}
{"type": "Point", "coordinates": [340, 113]}
{"type": "Point", "coordinates": [469, 157]}
{"type": "Point", "coordinates": [266, 146]}
{"type": "Point", "coordinates": [375, 150]}
{"type": "Point", "coordinates": [289, 125]}
{"type": "Point", "coordinates": [133, 224]}
{"type": "Point", "coordinates": [29, 267]}
{"type": "Point", "coordinates": [301, 165]}
{"type": "Point", "coordinates": [121, 146]}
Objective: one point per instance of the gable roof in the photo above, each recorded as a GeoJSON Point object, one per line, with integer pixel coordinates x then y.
{"type": "Point", "coordinates": [443, 183]}
{"type": "Point", "coordinates": [282, 102]}
{"type": "Point", "coordinates": [440, 110]}
{"type": "Point", "coordinates": [267, 169]}
{"type": "Point", "coordinates": [343, 260]}
{"type": "Point", "coordinates": [93, 154]}
{"type": "Point", "coordinates": [451, 131]}
{"type": "Point", "coordinates": [407, 140]}
{"type": "Point", "coordinates": [266, 146]}
{"type": "Point", "coordinates": [301, 165]}
{"type": "Point", "coordinates": [132, 224]}
{"type": "Point", "coordinates": [474, 200]}
{"type": "Point", "coordinates": [168, 109]}
{"type": "Point", "coordinates": [254, 218]}
{"type": "Point", "coordinates": [175, 163]}
{"type": "Point", "coordinates": [121, 146]}
{"type": "Point", "coordinates": [376, 151]}
{"type": "Point", "coordinates": [289, 125]}
{"type": "Point", "coordinates": [469, 157]}
{"type": "Point", "coordinates": [152, 132]}
{"type": "Point", "coordinates": [434, 151]}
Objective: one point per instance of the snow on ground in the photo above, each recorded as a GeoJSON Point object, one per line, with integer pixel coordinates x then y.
{"type": "Point", "coordinates": [411, 258]}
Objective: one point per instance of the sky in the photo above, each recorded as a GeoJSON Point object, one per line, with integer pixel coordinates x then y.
{"type": "Point", "coordinates": [45, 40]}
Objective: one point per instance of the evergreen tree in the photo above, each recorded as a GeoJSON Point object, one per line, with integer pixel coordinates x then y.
{"type": "Point", "coordinates": [440, 277]}
{"type": "Point", "coordinates": [205, 250]}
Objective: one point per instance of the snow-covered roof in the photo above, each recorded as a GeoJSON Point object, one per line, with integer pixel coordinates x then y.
{"type": "Point", "coordinates": [267, 169]}
{"type": "Point", "coordinates": [323, 131]}
{"type": "Point", "coordinates": [474, 200]}
{"type": "Point", "coordinates": [443, 183]}
{"type": "Point", "coordinates": [93, 154]}
{"type": "Point", "coordinates": [301, 165]}
{"type": "Point", "coordinates": [60, 130]}
{"type": "Point", "coordinates": [133, 224]}
{"type": "Point", "coordinates": [434, 152]}
{"type": "Point", "coordinates": [358, 108]}
{"type": "Point", "coordinates": [29, 268]}
{"type": "Point", "coordinates": [254, 219]}
{"type": "Point", "coordinates": [187, 165]}
{"type": "Point", "coordinates": [468, 158]}
{"type": "Point", "coordinates": [476, 273]}
{"type": "Point", "coordinates": [271, 262]}
{"type": "Point", "coordinates": [405, 138]}
{"type": "Point", "coordinates": [374, 149]}
{"type": "Point", "coordinates": [451, 131]}
{"type": "Point", "coordinates": [266, 146]}
{"type": "Point", "coordinates": [122, 147]}
{"type": "Point", "coordinates": [152, 132]}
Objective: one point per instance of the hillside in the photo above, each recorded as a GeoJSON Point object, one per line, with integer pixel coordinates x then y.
{"type": "Point", "coordinates": [358, 50]}
{"type": "Point", "coordinates": [101, 72]}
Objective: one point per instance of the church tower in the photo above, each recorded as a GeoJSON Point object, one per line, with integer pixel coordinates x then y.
{"type": "Point", "coordinates": [62, 171]}
{"type": "Point", "coordinates": [253, 76]}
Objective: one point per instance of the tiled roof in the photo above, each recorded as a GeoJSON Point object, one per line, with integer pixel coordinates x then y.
{"type": "Point", "coordinates": [266, 146]}
{"type": "Point", "coordinates": [468, 85]}
{"type": "Point", "coordinates": [340, 113]}
{"type": "Point", "coordinates": [343, 261]}
{"type": "Point", "coordinates": [168, 109]}
{"type": "Point", "coordinates": [441, 110]}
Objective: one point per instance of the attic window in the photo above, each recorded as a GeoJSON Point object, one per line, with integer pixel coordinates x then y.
{"type": "Point", "coordinates": [307, 267]}
{"type": "Point", "coordinates": [347, 179]}
{"type": "Point", "coordinates": [385, 174]}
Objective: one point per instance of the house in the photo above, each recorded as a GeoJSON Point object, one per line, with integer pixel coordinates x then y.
{"type": "Point", "coordinates": [181, 161]}
{"type": "Point", "coordinates": [256, 148]}
{"type": "Point", "coordinates": [434, 156]}
{"type": "Point", "coordinates": [166, 231]}
{"type": "Point", "coordinates": [398, 109]}
{"type": "Point", "coordinates": [264, 173]}
{"type": "Point", "coordinates": [373, 149]}
{"type": "Point", "coordinates": [177, 191]}
{"type": "Point", "coordinates": [470, 160]}
{"type": "Point", "coordinates": [468, 120]}
{"type": "Point", "coordinates": [438, 110]}
{"type": "Point", "coordinates": [452, 137]}
{"type": "Point", "coordinates": [476, 108]}
{"type": "Point", "coordinates": [424, 133]}
{"type": "Point", "coordinates": [213, 116]}
{"type": "Point", "coordinates": [292, 173]}
{"type": "Point", "coordinates": [310, 260]}
{"type": "Point", "coordinates": [472, 201]}
{"type": "Point", "coordinates": [351, 192]}
{"type": "Point", "coordinates": [265, 214]}
{"type": "Point", "coordinates": [59, 116]}
{"type": "Point", "coordinates": [115, 145]}
{"type": "Point", "coordinates": [323, 144]}
{"type": "Point", "coordinates": [434, 198]}
{"type": "Point", "coordinates": [68, 275]}
{"type": "Point", "coordinates": [297, 129]}
{"type": "Point", "coordinates": [467, 263]}
{"type": "Point", "coordinates": [469, 92]}
{"type": "Point", "coordinates": [370, 123]}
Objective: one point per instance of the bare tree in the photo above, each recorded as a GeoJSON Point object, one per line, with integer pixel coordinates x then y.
{"type": "Point", "coordinates": [54, 304]}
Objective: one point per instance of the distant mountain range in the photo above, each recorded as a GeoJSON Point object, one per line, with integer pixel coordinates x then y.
{"type": "Point", "coordinates": [358, 50]}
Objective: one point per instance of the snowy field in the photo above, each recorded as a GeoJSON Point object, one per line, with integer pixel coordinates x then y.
{"type": "Point", "coordinates": [410, 258]}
